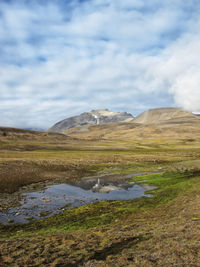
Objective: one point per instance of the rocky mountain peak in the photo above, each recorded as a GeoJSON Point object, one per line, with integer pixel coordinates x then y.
{"type": "Point", "coordinates": [96, 117]}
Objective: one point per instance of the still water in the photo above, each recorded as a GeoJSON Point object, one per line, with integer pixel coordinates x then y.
{"type": "Point", "coordinates": [56, 198]}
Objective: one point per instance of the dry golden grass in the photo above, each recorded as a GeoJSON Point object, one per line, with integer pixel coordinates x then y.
{"type": "Point", "coordinates": [15, 175]}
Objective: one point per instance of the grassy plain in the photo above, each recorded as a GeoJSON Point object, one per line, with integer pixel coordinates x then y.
{"type": "Point", "coordinates": [159, 231]}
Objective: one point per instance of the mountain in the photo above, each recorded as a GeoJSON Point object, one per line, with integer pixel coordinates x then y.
{"type": "Point", "coordinates": [167, 123]}
{"type": "Point", "coordinates": [164, 115]}
{"type": "Point", "coordinates": [94, 117]}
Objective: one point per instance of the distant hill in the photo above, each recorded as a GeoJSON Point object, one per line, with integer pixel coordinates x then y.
{"type": "Point", "coordinates": [94, 117]}
{"type": "Point", "coordinates": [164, 115]}
{"type": "Point", "coordinates": [10, 132]}
{"type": "Point", "coordinates": [17, 139]}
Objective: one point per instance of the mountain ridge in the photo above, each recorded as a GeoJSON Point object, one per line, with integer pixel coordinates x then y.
{"type": "Point", "coordinates": [104, 116]}
{"type": "Point", "coordinates": [94, 117]}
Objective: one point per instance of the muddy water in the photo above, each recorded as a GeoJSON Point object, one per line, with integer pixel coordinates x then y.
{"type": "Point", "coordinates": [56, 198]}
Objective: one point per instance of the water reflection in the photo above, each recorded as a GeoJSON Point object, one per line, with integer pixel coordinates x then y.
{"type": "Point", "coordinates": [40, 204]}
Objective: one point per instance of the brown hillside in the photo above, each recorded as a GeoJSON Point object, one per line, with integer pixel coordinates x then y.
{"type": "Point", "coordinates": [160, 115]}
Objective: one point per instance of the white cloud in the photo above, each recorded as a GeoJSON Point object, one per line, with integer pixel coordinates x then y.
{"type": "Point", "coordinates": [58, 61]}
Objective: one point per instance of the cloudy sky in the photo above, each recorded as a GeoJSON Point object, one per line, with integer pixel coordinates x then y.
{"type": "Point", "coordinates": [59, 58]}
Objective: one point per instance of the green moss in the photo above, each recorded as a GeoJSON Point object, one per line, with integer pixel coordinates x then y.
{"type": "Point", "coordinates": [170, 185]}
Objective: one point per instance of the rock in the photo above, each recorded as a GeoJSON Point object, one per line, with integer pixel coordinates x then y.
{"type": "Point", "coordinates": [45, 200]}
{"type": "Point", "coordinates": [43, 214]}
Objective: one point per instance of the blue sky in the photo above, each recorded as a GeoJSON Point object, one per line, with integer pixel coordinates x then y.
{"type": "Point", "coordinates": [59, 58]}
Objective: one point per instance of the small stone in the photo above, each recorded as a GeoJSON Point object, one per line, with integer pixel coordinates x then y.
{"type": "Point", "coordinates": [45, 200]}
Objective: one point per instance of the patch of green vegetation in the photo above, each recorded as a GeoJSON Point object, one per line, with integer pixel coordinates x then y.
{"type": "Point", "coordinates": [169, 185]}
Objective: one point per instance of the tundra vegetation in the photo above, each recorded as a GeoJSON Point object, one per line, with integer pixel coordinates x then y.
{"type": "Point", "coordinates": [160, 231]}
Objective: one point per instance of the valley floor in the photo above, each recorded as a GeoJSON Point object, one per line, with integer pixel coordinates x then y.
{"type": "Point", "coordinates": [159, 231]}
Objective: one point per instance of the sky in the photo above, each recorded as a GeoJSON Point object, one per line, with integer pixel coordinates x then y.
{"type": "Point", "coordinates": [59, 58]}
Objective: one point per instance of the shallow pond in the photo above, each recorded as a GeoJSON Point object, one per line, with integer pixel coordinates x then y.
{"type": "Point", "coordinates": [56, 198]}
